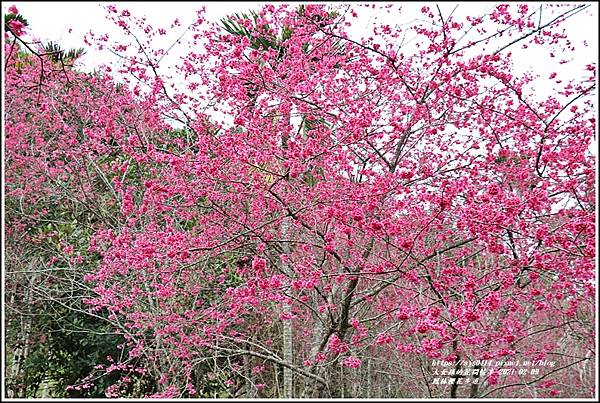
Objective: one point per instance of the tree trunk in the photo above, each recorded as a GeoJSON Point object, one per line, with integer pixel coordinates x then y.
{"type": "Point", "coordinates": [288, 381]}
{"type": "Point", "coordinates": [250, 392]}
{"type": "Point", "coordinates": [369, 380]}
{"type": "Point", "coordinates": [287, 335]}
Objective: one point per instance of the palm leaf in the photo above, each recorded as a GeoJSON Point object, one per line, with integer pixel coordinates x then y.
{"type": "Point", "coordinates": [57, 54]}
{"type": "Point", "coordinates": [14, 17]}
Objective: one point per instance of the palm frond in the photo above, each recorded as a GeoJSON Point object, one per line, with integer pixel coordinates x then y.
{"type": "Point", "coordinates": [15, 17]}
{"type": "Point", "coordinates": [57, 54]}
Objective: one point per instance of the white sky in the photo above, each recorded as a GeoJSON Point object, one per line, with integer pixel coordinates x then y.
{"type": "Point", "coordinates": [53, 20]}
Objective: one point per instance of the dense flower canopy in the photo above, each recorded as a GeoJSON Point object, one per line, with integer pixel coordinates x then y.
{"type": "Point", "coordinates": [329, 207]}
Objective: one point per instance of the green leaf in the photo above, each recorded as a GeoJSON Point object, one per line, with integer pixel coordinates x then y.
{"type": "Point", "coordinates": [15, 17]}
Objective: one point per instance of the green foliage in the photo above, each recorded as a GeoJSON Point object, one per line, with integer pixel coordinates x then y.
{"type": "Point", "coordinates": [14, 17]}
{"type": "Point", "coordinates": [51, 340]}
{"type": "Point", "coordinates": [65, 347]}
{"type": "Point", "coordinates": [57, 54]}
{"type": "Point", "coordinates": [256, 41]}
{"type": "Point", "coordinates": [259, 36]}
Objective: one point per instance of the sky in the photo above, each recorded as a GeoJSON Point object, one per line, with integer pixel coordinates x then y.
{"type": "Point", "coordinates": [68, 22]}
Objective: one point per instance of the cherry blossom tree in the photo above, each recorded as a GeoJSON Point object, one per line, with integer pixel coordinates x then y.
{"type": "Point", "coordinates": [315, 215]}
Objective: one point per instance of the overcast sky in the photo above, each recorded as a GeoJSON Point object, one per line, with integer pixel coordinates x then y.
{"type": "Point", "coordinates": [67, 22]}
